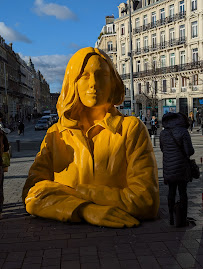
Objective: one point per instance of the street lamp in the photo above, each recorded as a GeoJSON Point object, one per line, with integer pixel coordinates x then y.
{"type": "Point", "coordinates": [131, 62]}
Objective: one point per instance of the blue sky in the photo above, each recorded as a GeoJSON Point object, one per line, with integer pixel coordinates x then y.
{"type": "Point", "coordinates": [50, 31]}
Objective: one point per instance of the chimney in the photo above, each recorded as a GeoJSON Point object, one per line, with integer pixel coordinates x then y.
{"type": "Point", "coordinates": [11, 45]}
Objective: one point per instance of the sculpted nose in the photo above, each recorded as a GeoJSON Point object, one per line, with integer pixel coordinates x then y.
{"type": "Point", "coordinates": [92, 81]}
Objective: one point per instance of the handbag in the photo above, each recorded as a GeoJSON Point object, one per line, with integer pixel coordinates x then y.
{"type": "Point", "coordinates": [193, 167]}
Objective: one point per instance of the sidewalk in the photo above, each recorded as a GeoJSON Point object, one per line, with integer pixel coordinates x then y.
{"type": "Point", "coordinates": [29, 242]}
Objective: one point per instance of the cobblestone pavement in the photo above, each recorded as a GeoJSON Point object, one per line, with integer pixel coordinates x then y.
{"type": "Point", "coordinates": [29, 242]}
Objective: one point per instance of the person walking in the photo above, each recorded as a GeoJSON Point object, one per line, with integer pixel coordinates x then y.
{"type": "Point", "coordinates": [153, 123]}
{"type": "Point", "coordinates": [176, 145]}
{"type": "Point", "coordinates": [21, 128]}
{"type": "Point", "coordinates": [191, 121]}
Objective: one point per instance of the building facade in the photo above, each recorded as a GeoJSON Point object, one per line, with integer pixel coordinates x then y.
{"type": "Point", "coordinates": [167, 54]}
{"type": "Point", "coordinates": [23, 91]}
{"type": "Point", "coordinates": [107, 40]}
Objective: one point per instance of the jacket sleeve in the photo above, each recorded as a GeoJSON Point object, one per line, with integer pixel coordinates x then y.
{"type": "Point", "coordinates": [44, 197]}
{"type": "Point", "coordinates": [141, 196]}
{"type": "Point", "coordinates": [187, 144]}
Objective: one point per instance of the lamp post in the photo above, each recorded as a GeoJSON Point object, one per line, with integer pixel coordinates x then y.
{"type": "Point", "coordinates": [131, 62]}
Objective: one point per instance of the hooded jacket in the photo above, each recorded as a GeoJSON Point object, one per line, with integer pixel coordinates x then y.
{"type": "Point", "coordinates": [175, 163]}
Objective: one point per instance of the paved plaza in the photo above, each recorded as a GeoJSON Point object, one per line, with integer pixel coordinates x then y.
{"type": "Point", "coordinates": [32, 243]}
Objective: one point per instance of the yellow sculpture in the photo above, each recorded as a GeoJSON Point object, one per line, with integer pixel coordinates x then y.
{"type": "Point", "coordinates": [94, 163]}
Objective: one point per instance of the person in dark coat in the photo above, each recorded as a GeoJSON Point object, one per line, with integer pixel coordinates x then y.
{"type": "Point", "coordinates": [4, 147]}
{"type": "Point", "coordinates": [175, 162]}
{"type": "Point", "coordinates": [21, 128]}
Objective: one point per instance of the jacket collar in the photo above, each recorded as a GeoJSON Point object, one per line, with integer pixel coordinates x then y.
{"type": "Point", "coordinates": [112, 121]}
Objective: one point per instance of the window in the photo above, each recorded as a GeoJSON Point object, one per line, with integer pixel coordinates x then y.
{"type": "Point", "coordinates": [171, 11]}
{"type": "Point", "coordinates": [155, 86]}
{"type": "Point", "coordinates": [110, 29]}
{"type": "Point", "coordinates": [183, 82]}
{"type": "Point", "coordinates": [145, 20]}
{"type": "Point", "coordinates": [139, 87]}
{"type": "Point", "coordinates": [195, 79]}
{"type": "Point", "coordinates": [163, 61]}
{"type": "Point", "coordinates": [137, 23]}
{"type": "Point", "coordinates": [123, 69]}
{"type": "Point", "coordinates": [195, 55]}
{"type": "Point", "coordinates": [145, 43]}
{"type": "Point", "coordinates": [147, 87]}
{"type": "Point", "coordinates": [154, 41]}
{"type": "Point", "coordinates": [194, 29]}
{"type": "Point", "coordinates": [164, 85]}
{"type": "Point", "coordinates": [182, 57]}
{"type": "Point", "coordinates": [123, 49]}
{"type": "Point", "coordinates": [193, 5]}
{"type": "Point", "coordinates": [171, 35]}
{"type": "Point", "coordinates": [110, 45]}
{"type": "Point", "coordinates": [122, 29]}
{"type": "Point", "coordinates": [172, 59]}
{"type": "Point", "coordinates": [138, 45]}
{"type": "Point", "coordinates": [182, 32]}
{"type": "Point", "coordinates": [154, 63]}
{"type": "Point", "coordinates": [154, 18]}
{"type": "Point", "coordinates": [162, 15]}
{"type": "Point", "coordinates": [182, 6]}
{"type": "Point", "coordinates": [138, 66]}
{"type": "Point", "coordinates": [173, 83]}
{"type": "Point", "coordinates": [145, 65]}
{"type": "Point", "coordinates": [162, 39]}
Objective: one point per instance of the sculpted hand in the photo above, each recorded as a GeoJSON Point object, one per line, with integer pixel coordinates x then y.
{"type": "Point", "coordinates": [47, 187]}
{"type": "Point", "coordinates": [107, 216]}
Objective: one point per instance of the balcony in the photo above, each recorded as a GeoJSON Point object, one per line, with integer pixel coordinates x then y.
{"type": "Point", "coordinates": [151, 25]}
{"type": "Point", "coordinates": [165, 70]}
{"type": "Point", "coordinates": [110, 50]}
{"type": "Point", "coordinates": [162, 45]}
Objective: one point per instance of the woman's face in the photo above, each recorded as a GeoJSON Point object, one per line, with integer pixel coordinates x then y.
{"type": "Point", "coordinates": [94, 85]}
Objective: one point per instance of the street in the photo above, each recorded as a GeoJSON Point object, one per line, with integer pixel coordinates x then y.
{"type": "Point", "coordinates": [30, 242]}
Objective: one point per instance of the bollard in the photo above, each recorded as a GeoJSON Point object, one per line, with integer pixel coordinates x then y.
{"type": "Point", "coordinates": [153, 141]}
{"type": "Point", "coordinates": [18, 145]}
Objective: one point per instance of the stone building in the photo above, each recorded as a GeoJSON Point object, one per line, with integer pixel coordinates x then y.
{"type": "Point", "coordinates": [54, 98]}
{"type": "Point", "coordinates": [167, 52]}
{"type": "Point", "coordinates": [107, 40]}
{"type": "Point", "coordinates": [23, 91]}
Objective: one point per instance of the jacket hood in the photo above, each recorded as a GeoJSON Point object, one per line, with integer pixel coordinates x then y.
{"type": "Point", "coordinates": [172, 120]}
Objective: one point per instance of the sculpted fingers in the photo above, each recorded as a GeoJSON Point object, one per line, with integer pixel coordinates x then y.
{"type": "Point", "coordinates": [126, 217]}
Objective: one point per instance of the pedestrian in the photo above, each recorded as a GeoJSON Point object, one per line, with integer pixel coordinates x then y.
{"type": "Point", "coordinates": [144, 119]}
{"type": "Point", "coordinates": [176, 145]}
{"type": "Point", "coordinates": [21, 127]}
{"type": "Point", "coordinates": [4, 147]}
{"type": "Point", "coordinates": [191, 121]}
{"type": "Point", "coordinates": [153, 123]}
{"type": "Point", "coordinates": [198, 117]}
{"type": "Point", "coordinates": [94, 163]}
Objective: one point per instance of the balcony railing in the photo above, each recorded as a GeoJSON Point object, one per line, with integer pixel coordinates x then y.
{"type": "Point", "coordinates": [165, 70]}
{"type": "Point", "coordinates": [151, 25]}
{"type": "Point", "coordinates": [160, 46]}
{"type": "Point", "coordinates": [110, 50]}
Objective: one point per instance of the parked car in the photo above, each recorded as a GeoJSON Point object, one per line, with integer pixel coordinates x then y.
{"type": "Point", "coordinates": [50, 118]}
{"type": "Point", "coordinates": [42, 124]}
{"type": "Point", "coordinates": [55, 117]}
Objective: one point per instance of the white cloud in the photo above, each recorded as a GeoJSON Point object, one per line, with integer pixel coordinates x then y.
{"type": "Point", "coordinates": [12, 35]}
{"type": "Point", "coordinates": [51, 9]}
{"type": "Point", "coordinates": [52, 68]}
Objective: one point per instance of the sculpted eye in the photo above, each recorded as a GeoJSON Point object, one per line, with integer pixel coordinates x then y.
{"type": "Point", "coordinates": [85, 76]}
